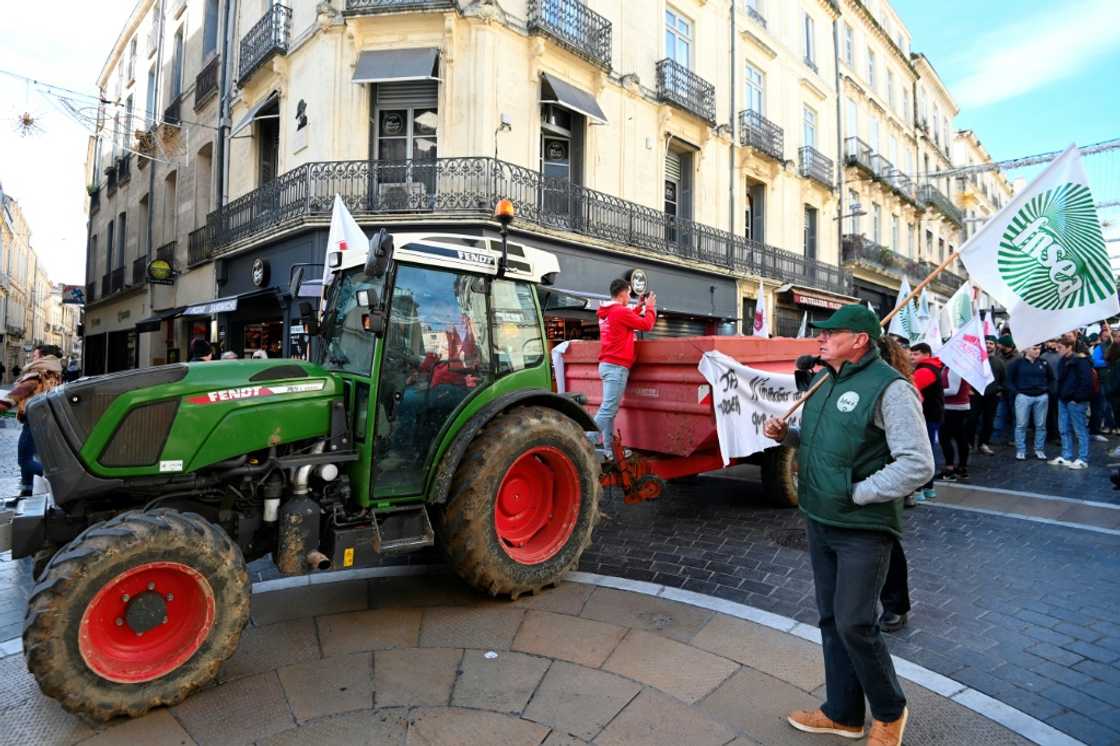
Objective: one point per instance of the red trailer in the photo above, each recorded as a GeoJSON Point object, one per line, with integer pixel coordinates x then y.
{"type": "Point", "coordinates": [666, 419]}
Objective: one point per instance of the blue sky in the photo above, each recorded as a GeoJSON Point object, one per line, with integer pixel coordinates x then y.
{"type": "Point", "coordinates": [1029, 76]}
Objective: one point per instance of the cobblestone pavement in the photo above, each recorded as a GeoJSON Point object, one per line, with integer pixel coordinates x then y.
{"type": "Point", "coordinates": [1002, 471]}
{"type": "Point", "coordinates": [1024, 612]}
{"type": "Point", "coordinates": [423, 660]}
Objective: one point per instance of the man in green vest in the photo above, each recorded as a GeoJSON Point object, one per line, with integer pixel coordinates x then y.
{"type": "Point", "coordinates": [863, 448]}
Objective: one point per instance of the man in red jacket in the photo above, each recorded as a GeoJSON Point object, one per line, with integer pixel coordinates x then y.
{"type": "Point", "coordinates": [617, 324]}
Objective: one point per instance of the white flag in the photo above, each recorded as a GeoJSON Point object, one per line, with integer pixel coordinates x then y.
{"type": "Point", "coordinates": [345, 235]}
{"type": "Point", "coordinates": [989, 329]}
{"type": "Point", "coordinates": [804, 330]}
{"type": "Point", "coordinates": [933, 333]}
{"type": "Point", "coordinates": [1043, 256]}
{"type": "Point", "coordinates": [743, 399]}
{"type": "Point", "coordinates": [903, 323]}
{"type": "Point", "coordinates": [923, 309]}
{"type": "Point", "coordinates": [761, 326]}
{"type": "Point", "coordinates": [871, 308]}
{"type": "Point", "coordinates": [967, 355]}
{"type": "Point", "coordinates": [959, 308]}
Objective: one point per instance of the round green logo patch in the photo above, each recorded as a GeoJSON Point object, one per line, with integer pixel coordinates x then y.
{"type": "Point", "coordinates": [1052, 254]}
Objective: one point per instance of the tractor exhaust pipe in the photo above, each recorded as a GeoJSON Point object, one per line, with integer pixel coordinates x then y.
{"type": "Point", "coordinates": [316, 560]}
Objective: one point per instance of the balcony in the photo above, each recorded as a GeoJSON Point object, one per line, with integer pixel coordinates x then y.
{"type": "Point", "coordinates": [369, 7]}
{"type": "Point", "coordinates": [679, 86]}
{"type": "Point", "coordinates": [269, 36]}
{"type": "Point", "coordinates": [755, 16]}
{"type": "Point", "coordinates": [450, 189]}
{"type": "Point", "coordinates": [106, 285]}
{"type": "Point", "coordinates": [930, 195]}
{"type": "Point", "coordinates": [881, 168]}
{"type": "Point", "coordinates": [139, 270]}
{"type": "Point", "coordinates": [111, 179]}
{"type": "Point", "coordinates": [167, 253]}
{"type": "Point", "coordinates": [758, 132]}
{"type": "Point", "coordinates": [904, 186]}
{"type": "Point", "coordinates": [950, 282]}
{"type": "Point", "coordinates": [116, 280]}
{"type": "Point", "coordinates": [94, 200]}
{"type": "Point", "coordinates": [124, 169]}
{"type": "Point", "coordinates": [575, 27]}
{"type": "Point", "coordinates": [206, 83]}
{"type": "Point", "coordinates": [173, 113]}
{"type": "Point", "coordinates": [815, 166]}
{"type": "Point", "coordinates": [860, 250]}
{"type": "Point", "coordinates": [858, 153]}
{"type": "Point", "coordinates": [198, 246]}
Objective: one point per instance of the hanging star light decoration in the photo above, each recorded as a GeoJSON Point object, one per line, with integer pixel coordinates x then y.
{"type": "Point", "coordinates": [27, 124]}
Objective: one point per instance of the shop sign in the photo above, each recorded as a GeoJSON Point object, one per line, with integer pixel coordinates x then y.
{"type": "Point", "coordinates": [160, 272]}
{"type": "Point", "coordinates": [209, 309]}
{"type": "Point", "coordinates": [75, 294]}
{"type": "Point", "coordinates": [260, 272]}
{"type": "Point", "coordinates": [812, 300]}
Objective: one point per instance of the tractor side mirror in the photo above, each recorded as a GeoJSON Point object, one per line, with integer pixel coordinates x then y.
{"type": "Point", "coordinates": [366, 298]}
{"type": "Point", "coordinates": [380, 253]}
{"type": "Point", "coordinates": [295, 282]}
{"type": "Point", "coordinates": [309, 318]}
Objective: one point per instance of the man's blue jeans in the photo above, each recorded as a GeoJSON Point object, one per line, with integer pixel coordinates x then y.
{"type": "Point", "coordinates": [29, 466]}
{"type": "Point", "coordinates": [614, 379]}
{"type": "Point", "coordinates": [1073, 419]}
{"type": "Point", "coordinates": [1027, 407]}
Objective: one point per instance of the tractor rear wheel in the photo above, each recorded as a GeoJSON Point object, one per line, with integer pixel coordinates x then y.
{"type": "Point", "coordinates": [779, 476]}
{"type": "Point", "coordinates": [523, 502]}
{"type": "Point", "coordinates": [136, 612]}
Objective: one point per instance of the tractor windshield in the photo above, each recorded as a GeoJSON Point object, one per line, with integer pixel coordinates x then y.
{"type": "Point", "coordinates": [347, 345]}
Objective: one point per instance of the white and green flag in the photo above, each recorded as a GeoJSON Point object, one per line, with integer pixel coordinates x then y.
{"type": "Point", "coordinates": [1043, 256]}
{"type": "Point", "coordinates": [958, 311]}
{"type": "Point", "coordinates": [905, 322]}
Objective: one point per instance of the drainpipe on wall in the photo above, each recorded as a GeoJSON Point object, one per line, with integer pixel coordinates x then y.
{"type": "Point", "coordinates": [152, 170]}
{"type": "Point", "coordinates": [731, 150]}
{"type": "Point", "coordinates": [223, 102]}
{"type": "Point", "coordinates": [839, 146]}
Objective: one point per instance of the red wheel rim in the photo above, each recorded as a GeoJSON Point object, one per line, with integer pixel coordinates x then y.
{"type": "Point", "coordinates": [537, 506]}
{"type": "Point", "coordinates": [115, 650]}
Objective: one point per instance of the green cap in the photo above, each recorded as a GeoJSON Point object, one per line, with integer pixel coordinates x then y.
{"type": "Point", "coordinates": [854, 317]}
{"type": "Point", "coordinates": [1006, 341]}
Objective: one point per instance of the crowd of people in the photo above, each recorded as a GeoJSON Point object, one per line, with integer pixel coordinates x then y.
{"type": "Point", "coordinates": [1064, 392]}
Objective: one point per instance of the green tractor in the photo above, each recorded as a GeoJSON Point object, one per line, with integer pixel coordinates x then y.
{"type": "Point", "coordinates": [429, 418]}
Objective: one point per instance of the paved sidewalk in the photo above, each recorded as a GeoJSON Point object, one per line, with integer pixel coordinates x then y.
{"type": "Point", "coordinates": [422, 660]}
{"type": "Point", "coordinates": [1003, 471]}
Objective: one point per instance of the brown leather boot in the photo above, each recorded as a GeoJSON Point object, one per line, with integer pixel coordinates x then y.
{"type": "Point", "coordinates": [815, 721]}
{"type": "Point", "coordinates": [888, 734]}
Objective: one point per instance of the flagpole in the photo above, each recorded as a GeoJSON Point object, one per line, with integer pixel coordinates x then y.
{"type": "Point", "coordinates": [915, 292]}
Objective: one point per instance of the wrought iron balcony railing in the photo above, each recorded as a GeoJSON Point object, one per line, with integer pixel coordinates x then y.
{"type": "Point", "coordinates": [904, 186]}
{"type": "Point", "coordinates": [269, 36]}
{"type": "Point", "coordinates": [167, 253]}
{"type": "Point", "coordinates": [206, 83]}
{"type": "Point", "coordinates": [948, 280]}
{"type": "Point", "coordinates": [117, 279]}
{"type": "Point", "coordinates": [139, 270]}
{"type": "Point", "coordinates": [756, 17]}
{"type": "Point", "coordinates": [362, 7]}
{"type": "Point", "coordinates": [94, 200]}
{"type": "Point", "coordinates": [930, 195]}
{"type": "Point", "coordinates": [173, 113]}
{"type": "Point", "coordinates": [816, 166]}
{"type": "Point", "coordinates": [761, 134]}
{"type": "Point", "coordinates": [678, 85]}
{"type": "Point", "coordinates": [449, 188]}
{"type": "Point", "coordinates": [575, 27]}
{"type": "Point", "coordinates": [858, 153]}
{"type": "Point", "coordinates": [859, 249]}
{"type": "Point", "coordinates": [106, 284]}
{"type": "Point", "coordinates": [881, 168]}
{"type": "Point", "coordinates": [198, 246]}
{"type": "Point", "coordinates": [124, 169]}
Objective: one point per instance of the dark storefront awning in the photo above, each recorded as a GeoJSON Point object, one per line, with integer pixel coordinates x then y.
{"type": "Point", "coordinates": [223, 305]}
{"type": "Point", "coordinates": [253, 112]}
{"type": "Point", "coordinates": [153, 322]}
{"type": "Point", "coordinates": [556, 91]}
{"type": "Point", "coordinates": [397, 65]}
{"type": "Point", "coordinates": [806, 296]}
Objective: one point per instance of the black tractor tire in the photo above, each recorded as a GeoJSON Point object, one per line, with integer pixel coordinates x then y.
{"type": "Point", "coordinates": [779, 476]}
{"type": "Point", "coordinates": [98, 558]}
{"type": "Point", "coordinates": [469, 525]}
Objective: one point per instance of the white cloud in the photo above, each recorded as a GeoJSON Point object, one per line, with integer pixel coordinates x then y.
{"type": "Point", "coordinates": [46, 172]}
{"type": "Point", "coordinates": [1029, 53]}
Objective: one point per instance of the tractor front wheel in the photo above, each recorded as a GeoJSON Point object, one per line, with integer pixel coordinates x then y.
{"type": "Point", "coordinates": [523, 502]}
{"type": "Point", "coordinates": [136, 612]}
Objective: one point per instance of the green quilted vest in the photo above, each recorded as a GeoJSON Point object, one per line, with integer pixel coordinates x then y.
{"type": "Point", "coordinates": [841, 445]}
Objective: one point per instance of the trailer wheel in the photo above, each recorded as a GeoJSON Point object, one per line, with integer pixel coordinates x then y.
{"type": "Point", "coordinates": [136, 612]}
{"type": "Point", "coordinates": [523, 502]}
{"type": "Point", "coordinates": [779, 476]}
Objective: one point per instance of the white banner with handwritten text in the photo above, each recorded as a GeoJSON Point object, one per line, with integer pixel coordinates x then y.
{"type": "Point", "coordinates": [743, 399]}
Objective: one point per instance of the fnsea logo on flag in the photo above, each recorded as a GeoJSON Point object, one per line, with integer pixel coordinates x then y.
{"type": "Point", "coordinates": [1053, 255]}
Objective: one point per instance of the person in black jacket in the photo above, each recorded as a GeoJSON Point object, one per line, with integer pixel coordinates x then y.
{"type": "Point", "coordinates": [1075, 390]}
{"type": "Point", "coordinates": [1028, 380]}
